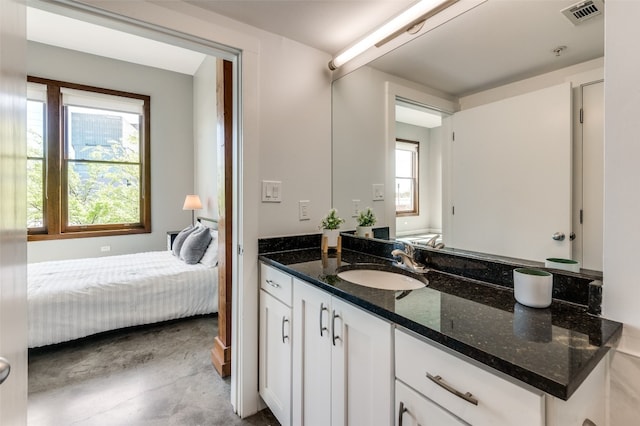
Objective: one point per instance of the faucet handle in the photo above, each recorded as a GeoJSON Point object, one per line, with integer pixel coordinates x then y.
{"type": "Point", "coordinates": [409, 249]}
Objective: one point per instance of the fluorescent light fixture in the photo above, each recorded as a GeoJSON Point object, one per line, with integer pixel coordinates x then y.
{"type": "Point", "coordinates": [417, 13]}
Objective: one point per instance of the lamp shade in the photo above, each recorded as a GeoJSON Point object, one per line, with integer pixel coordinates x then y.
{"type": "Point", "coordinates": [192, 202]}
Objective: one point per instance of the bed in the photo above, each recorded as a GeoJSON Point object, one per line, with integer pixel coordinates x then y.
{"type": "Point", "coordinates": [70, 299]}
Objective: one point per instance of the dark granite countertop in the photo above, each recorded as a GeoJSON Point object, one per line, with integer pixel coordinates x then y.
{"type": "Point", "coordinates": [552, 349]}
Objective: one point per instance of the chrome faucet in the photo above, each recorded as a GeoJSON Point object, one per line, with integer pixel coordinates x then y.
{"type": "Point", "coordinates": [433, 242]}
{"type": "Point", "coordinates": [407, 258]}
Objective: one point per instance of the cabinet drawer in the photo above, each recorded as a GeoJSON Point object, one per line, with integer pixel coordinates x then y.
{"type": "Point", "coordinates": [276, 283]}
{"type": "Point", "coordinates": [438, 375]}
{"type": "Point", "coordinates": [412, 409]}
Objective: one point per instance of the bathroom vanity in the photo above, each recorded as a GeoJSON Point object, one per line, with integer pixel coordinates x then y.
{"type": "Point", "coordinates": [458, 350]}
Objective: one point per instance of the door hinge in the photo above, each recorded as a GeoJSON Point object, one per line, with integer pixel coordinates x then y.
{"type": "Point", "coordinates": [581, 215]}
{"type": "Point", "coordinates": [581, 116]}
{"type": "Point", "coordinates": [240, 250]}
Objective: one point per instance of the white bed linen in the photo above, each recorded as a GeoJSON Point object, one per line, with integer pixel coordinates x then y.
{"type": "Point", "coordinates": [70, 299]}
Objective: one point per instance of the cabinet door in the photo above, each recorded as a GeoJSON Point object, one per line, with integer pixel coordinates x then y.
{"type": "Point", "coordinates": [275, 356]}
{"type": "Point", "coordinates": [413, 409]}
{"type": "Point", "coordinates": [362, 383]}
{"type": "Point", "coordinates": [311, 356]}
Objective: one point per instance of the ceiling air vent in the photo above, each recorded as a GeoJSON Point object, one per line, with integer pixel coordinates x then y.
{"type": "Point", "coordinates": [584, 10]}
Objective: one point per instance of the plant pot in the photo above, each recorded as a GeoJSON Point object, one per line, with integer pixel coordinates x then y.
{"type": "Point", "coordinates": [332, 236]}
{"type": "Point", "coordinates": [364, 231]}
{"type": "Point", "coordinates": [532, 287]}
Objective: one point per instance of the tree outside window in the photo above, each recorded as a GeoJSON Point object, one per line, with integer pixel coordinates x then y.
{"type": "Point", "coordinates": [93, 179]}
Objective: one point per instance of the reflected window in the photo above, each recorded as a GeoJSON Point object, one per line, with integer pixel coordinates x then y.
{"type": "Point", "coordinates": [407, 177]}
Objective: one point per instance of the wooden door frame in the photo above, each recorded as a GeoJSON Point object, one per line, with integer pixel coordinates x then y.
{"type": "Point", "coordinates": [221, 351]}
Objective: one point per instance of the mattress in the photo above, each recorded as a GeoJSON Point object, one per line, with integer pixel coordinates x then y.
{"type": "Point", "coordinates": [75, 298]}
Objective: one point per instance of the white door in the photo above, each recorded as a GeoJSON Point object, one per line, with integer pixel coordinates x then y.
{"type": "Point", "coordinates": [511, 185]}
{"type": "Point", "coordinates": [311, 356]}
{"type": "Point", "coordinates": [275, 356]}
{"type": "Point", "coordinates": [592, 174]}
{"type": "Point", "coordinates": [13, 302]}
{"type": "Point", "coordinates": [361, 384]}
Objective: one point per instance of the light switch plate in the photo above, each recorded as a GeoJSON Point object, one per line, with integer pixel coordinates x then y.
{"type": "Point", "coordinates": [271, 191]}
{"type": "Point", "coordinates": [303, 210]}
{"type": "Point", "coordinates": [378, 192]}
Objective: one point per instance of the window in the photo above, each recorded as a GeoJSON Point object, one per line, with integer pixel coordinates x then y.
{"type": "Point", "coordinates": [87, 161]}
{"type": "Point", "coordinates": [406, 177]}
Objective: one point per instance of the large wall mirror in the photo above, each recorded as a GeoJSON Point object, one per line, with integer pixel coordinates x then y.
{"type": "Point", "coordinates": [503, 105]}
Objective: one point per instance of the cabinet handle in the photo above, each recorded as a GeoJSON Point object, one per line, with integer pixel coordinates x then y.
{"type": "Point", "coordinates": [284, 336]}
{"type": "Point", "coordinates": [333, 327]}
{"type": "Point", "coordinates": [588, 422]}
{"type": "Point", "coordinates": [440, 382]}
{"type": "Point", "coordinates": [401, 412]}
{"type": "Point", "coordinates": [273, 284]}
{"type": "Point", "coordinates": [322, 309]}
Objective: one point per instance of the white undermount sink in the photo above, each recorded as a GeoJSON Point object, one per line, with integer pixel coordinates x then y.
{"type": "Point", "coordinates": [385, 279]}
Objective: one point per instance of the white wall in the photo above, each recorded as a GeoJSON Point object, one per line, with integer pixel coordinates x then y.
{"type": "Point", "coordinates": [205, 135]}
{"type": "Point", "coordinates": [171, 144]}
{"type": "Point", "coordinates": [622, 202]}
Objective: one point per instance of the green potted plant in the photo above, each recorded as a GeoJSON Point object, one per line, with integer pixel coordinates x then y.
{"type": "Point", "coordinates": [330, 226]}
{"type": "Point", "coordinates": [366, 219]}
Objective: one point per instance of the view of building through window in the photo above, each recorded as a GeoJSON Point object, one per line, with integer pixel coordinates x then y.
{"type": "Point", "coordinates": [97, 184]}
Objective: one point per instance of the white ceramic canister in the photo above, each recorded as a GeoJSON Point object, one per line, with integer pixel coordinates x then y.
{"type": "Point", "coordinates": [564, 264]}
{"type": "Point", "coordinates": [532, 287]}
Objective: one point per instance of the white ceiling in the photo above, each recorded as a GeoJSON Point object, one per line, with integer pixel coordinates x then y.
{"type": "Point", "coordinates": [497, 42]}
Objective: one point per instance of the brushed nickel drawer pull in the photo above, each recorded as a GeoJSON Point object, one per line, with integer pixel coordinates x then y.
{"type": "Point", "coordinates": [285, 320]}
{"type": "Point", "coordinates": [401, 410]}
{"type": "Point", "coordinates": [334, 337]}
{"type": "Point", "coordinates": [588, 422]}
{"type": "Point", "coordinates": [273, 284]}
{"type": "Point", "coordinates": [440, 382]}
{"type": "Point", "coordinates": [322, 309]}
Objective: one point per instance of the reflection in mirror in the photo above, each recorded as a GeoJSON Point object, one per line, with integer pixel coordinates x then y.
{"type": "Point", "coordinates": [484, 57]}
{"type": "Point", "coordinates": [418, 172]}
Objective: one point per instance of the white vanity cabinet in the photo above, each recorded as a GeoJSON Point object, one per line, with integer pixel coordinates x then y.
{"type": "Point", "coordinates": [342, 362]}
{"type": "Point", "coordinates": [413, 409]}
{"type": "Point", "coordinates": [471, 393]}
{"type": "Point", "coordinates": [275, 342]}
{"type": "Point", "coordinates": [448, 383]}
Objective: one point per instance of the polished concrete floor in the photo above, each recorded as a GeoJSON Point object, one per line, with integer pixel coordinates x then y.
{"type": "Point", "coordinates": [152, 375]}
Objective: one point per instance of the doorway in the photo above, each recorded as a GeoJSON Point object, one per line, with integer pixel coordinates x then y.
{"type": "Point", "coordinates": [231, 69]}
{"type": "Point", "coordinates": [418, 172]}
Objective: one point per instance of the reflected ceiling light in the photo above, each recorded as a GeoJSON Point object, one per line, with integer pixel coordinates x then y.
{"type": "Point", "coordinates": [410, 18]}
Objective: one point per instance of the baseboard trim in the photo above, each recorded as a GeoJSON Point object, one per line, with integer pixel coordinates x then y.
{"type": "Point", "coordinates": [221, 357]}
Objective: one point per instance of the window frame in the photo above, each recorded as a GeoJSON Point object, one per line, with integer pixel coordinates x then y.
{"type": "Point", "coordinates": [55, 201]}
{"type": "Point", "coordinates": [415, 178]}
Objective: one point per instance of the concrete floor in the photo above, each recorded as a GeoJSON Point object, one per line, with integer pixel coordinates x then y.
{"type": "Point", "coordinates": [152, 375]}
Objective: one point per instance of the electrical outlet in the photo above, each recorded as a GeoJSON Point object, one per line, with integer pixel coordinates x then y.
{"type": "Point", "coordinates": [303, 210]}
{"type": "Point", "coordinates": [355, 208]}
{"type": "Point", "coordinates": [105, 248]}
{"type": "Point", "coordinates": [378, 192]}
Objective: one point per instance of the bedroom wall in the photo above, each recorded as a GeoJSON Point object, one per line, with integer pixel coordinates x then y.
{"type": "Point", "coordinates": [172, 149]}
{"type": "Point", "coordinates": [205, 129]}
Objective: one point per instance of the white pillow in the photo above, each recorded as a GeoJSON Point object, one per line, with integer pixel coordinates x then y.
{"type": "Point", "coordinates": [210, 256]}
